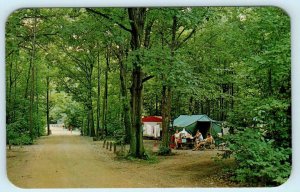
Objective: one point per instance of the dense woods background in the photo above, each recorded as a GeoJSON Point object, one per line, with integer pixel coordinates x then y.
{"type": "Point", "coordinates": [101, 69]}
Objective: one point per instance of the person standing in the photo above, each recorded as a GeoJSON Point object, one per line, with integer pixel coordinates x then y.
{"type": "Point", "coordinates": [177, 138]}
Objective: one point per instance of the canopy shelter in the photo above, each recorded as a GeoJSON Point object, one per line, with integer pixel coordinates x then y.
{"type": "Point", "coordinates": [192, 123]}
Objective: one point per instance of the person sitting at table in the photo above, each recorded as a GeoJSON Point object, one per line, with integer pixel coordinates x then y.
{"type": "Point", "coordinates": [209, 140]}
{"type": "Point", "coordinates": [198, 137]}
{"type": "Point", "coordinates": [177, 137]}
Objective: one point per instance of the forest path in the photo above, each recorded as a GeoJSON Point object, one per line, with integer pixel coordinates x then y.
{"type": "Point", "coordinates": [64, 161]}
{"type": "Point", "coordinates": [68, 160]}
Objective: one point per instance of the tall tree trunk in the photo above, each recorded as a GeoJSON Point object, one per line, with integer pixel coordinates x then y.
{"type": "Point", "coordinates": [208, 107]}
{"type": "Point", "coordinates": [124, 100]}
{"type": "Point", "coordinates": [166, 116]}
{"type": "Point", "coordinates": [167, 93]}
{"type": "Point", "coordinates": [31, 123]}
{"type": "Point", "coordinates": [105, 95]}
{"type": "Point", "coordinates": [9, 102]}
{"type": "Point", "coordinates": [37, 100]}
{"type": "Point", "coordinates": [196, 107]}
{"type": "Point", "coordinates": [15, 94]}
{"type": "Point", "coordinates": [47, 103]}
{"type": "Point", "coordinates": [137, 18]}
{"type": "Point", "coordinates": [82, 127]}
{"type": "Point", "coordinates": [178, 108]}
{"type": "Point", "coordinates": [90, 97]}
{"type": "Point", "coordinates": [98, 96]}
{"type": "Point", "coordinates": [222, 107]}
{"type": "Point", "coordinates": [90, 110]}
{"type": "Point", "coordinates": [88, 127]}
{"type": "Point", "coordinates": [28, 78]}
{"type": "Point", "coordinates": [136, 132]}
{"type": "Point", "coordinates": [201, 107]}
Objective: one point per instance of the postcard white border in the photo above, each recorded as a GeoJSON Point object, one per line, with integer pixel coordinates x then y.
{"type": "Point", "coordinates": [292, 7]}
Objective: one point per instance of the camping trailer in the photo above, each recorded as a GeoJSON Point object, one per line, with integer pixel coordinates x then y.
{"type": "Point", "coordinates": [192, 123]}
{"type": "Point", "coordinates": [152, 126]}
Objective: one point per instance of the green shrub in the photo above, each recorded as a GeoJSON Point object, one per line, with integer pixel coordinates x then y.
{"type": "Point", "coordinates": [17, 133]}
{"type": "Point", "coordinates": [23, 139]}
{"type": "Point", "coordinates": [164, 151]}
{"type": "Point", "coordinates": [258, 161]}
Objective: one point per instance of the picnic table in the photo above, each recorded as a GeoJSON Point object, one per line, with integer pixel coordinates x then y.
{"type": "Point", "coordinates": [186, 143]}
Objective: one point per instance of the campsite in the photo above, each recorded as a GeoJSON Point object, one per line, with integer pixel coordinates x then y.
{"type": "Point", "coordinates": [183, 169]}
{"type": "Point", "coordinates": [140, 97]}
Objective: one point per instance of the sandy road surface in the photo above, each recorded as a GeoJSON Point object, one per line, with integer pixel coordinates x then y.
{"type": "Point", "coordinates": [61, 160]}
{"type": "Point", "coordinates": [67, 160]}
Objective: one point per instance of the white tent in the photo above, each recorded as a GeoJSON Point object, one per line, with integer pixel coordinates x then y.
{"type": "Point", "coordinates": [152, 126]}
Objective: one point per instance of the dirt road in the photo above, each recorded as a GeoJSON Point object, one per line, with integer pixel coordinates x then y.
{"type": "Point", "coordinates": [72, 161]}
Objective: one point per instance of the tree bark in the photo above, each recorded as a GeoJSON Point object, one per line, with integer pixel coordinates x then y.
{"type": "Point", "coordinates": [98, 96]}
{"type": "Point", "coordinates": [31, 123]}
{"type": "Point", "coordinates": [28, 79]}
{"type": "Point", "coordinates": [9, 102]}
{"type": "Point", "coordinates": [105, 95]}
{"type": "Point", "coordinates": [37, 100]}
{"type": "Point", "coordinates": [137, 18]}
{"type": "Point", "coordinates": [166, 115]}
{"type": "Point", "coordinates": [47, 103]}
{"type": "Point", "coordinates": [124, 99]}
{"type": "Point", "coordinates": [167, 92]}
{"type": "Point", "coordinates": [90, 110]}
{"type": "Point", "coordinates": [90, 99]}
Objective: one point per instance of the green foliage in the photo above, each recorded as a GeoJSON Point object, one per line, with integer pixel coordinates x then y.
{"type": "Point", "coordinates": [258, 160]}
{"type": "Point", "coordinates": [17, 133]}
{"type": "Point", "coordinates": [163, 151]}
